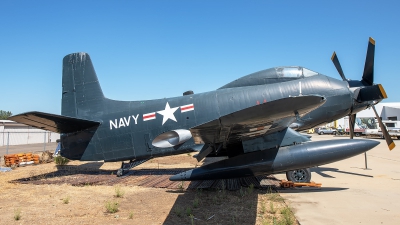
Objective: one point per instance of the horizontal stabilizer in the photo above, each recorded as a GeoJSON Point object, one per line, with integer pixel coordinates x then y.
{"type": "Point", "coordinates": [52, 122]}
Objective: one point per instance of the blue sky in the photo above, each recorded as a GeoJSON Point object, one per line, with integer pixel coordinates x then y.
{"type": "Point", "coordinates": [155, 49]}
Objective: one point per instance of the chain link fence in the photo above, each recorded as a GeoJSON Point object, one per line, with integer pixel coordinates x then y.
{"type": "Point", "coordinates": [12, 142]}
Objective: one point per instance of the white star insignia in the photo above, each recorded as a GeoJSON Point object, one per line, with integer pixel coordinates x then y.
{"type": "Point", "coordinates": [168, 113]}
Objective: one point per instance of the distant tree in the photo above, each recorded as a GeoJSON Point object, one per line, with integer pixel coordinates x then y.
{"type": "Point", "coordinates": [4, 114]}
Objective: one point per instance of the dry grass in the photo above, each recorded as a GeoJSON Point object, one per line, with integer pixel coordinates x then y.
{"type": "Point", "coordinates": [139, 205]}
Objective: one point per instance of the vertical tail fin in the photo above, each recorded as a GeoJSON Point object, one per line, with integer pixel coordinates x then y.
{"type": "Point", "coordinates": [82, 96]}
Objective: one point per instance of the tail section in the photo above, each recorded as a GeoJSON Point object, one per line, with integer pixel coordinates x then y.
{"type": "Point", "coordinates": [82, 96]}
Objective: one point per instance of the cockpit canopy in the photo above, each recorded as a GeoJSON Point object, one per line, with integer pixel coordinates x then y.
{"type": "Point", "coordinates": [272, 75]}
{"type": "Point", "coordinates": [294, 71]}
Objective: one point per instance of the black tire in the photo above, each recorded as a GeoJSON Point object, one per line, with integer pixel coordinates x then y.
{"type": "Point", "coordinates": [334, 132]}
{"type": "Point", "coordinates": [321, 133]}
{"type": "Point", "coordinates": [299, 175]}
{"type": "Point", "coordinates": [398, 137]}
{"type": "Point", "coordinates": [357, 134]}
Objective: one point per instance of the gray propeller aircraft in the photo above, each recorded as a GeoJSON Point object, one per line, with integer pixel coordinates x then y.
{"type": "Point", "coordinates": [252, 120]}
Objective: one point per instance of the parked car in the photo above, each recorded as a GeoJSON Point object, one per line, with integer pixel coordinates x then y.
{"type": "Point", "coordinates": [326, 131]}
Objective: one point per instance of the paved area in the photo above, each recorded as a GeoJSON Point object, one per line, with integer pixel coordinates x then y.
{"type": "Point", "coordinates": [12, 149]}
{"type": "Point", "coordinates": [350, 194]}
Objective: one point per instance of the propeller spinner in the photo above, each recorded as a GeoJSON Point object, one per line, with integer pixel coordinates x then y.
{"type": "Point", "coordinates": [365, 91]}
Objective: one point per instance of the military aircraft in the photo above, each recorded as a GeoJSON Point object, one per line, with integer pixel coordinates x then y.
{"type": "Point", "coordinates": [252, 120]}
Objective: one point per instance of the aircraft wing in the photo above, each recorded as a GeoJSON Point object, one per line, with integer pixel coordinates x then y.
{"type": "Point", "coordinates": [52, 122]}
{"type": "Point", "coordinates": [258, 120]}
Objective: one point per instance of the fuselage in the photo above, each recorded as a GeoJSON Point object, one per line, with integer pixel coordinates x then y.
{"type": "Point", "coordinates": [128, 127]}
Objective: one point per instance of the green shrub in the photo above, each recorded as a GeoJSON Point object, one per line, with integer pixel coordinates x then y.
{"type": "Point", "coordinates": [66, 200]}
{"type": "Point", "coordinates": [196, 202]}
{"type": "Point", "coordinates": [263, 208]}
{"type": "Point", "coordinates": [118, 192]}
{"type": "Point", "coordinates": [287, 216]}
{"type": "Point", "coordinates": [112, 207]}
{"type": "Point", "coordinates": [59, 160]}
{"type": "Point", "coordinates": [178, 211]}
{"type": "Point", "coordinates": [17, 214]}
{"type": "Point", "coordinates": [250, 189]}
{"type": "Point", "coordinates": [271, 208]}
{"type": "Point", "coordinates": [188, 211]}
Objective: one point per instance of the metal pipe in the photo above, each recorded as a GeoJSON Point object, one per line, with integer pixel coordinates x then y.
{"type": "Point", "coordinates": [365, 155]}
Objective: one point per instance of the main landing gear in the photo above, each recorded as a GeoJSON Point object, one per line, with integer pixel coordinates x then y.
{"type": "Point", "coordinates": [125, 167]}
{"type": "Point", "coordinates": [299, 175]}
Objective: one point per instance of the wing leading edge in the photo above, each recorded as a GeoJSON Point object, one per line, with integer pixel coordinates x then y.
{"type": "Point", "coordinates": [54, 123]}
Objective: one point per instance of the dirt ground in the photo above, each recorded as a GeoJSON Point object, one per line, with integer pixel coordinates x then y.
{"type": "Point", "coordinates": [48, 202]}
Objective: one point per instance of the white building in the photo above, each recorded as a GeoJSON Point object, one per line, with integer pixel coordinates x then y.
{"type": "Point", "coordinates": [13, 133]}
{"type": "Point", "coordinates": [387, 111]}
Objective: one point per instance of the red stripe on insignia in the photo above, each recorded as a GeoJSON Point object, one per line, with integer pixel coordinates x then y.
{"type": "Point", "coordinates": [149, 116]}
{"type": "Point", "coordinates": [189, 107]}
{"type": "Point", "coordinates": [186, 108]}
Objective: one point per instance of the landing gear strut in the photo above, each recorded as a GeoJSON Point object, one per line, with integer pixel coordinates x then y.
{"type": "Point", "coordinates": [125, 167]}
{"type": "Point", "coordinates": [299, 175]}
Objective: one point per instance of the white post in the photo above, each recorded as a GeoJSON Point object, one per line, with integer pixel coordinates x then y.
{"type": "Point", "coordinates": [8, 141]}
{"type": "Point", "coordinates": [44, 142]}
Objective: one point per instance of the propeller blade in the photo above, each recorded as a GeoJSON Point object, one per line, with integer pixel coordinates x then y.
{"type": "Point", "coordinates": [335, 61]}
{"type": "Point", "coordinates": [368, 76]}
{"type": "Point", "coordinates": [371, 93]}
{"type": "Point", "coordinates": [388, 139]}
{"type": "Point", "coordinates": [352, 122]}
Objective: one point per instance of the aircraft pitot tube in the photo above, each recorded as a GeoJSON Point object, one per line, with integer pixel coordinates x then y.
{"type": "Point", "coordinates": [272, 161]}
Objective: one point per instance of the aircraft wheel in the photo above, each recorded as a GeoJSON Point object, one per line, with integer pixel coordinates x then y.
{"type": "Point", "coordinates": [120, 172]}
{"type": "Point", "coordinates": [357, 134]}
{"type": "Point", "coordinates": [299, 176]}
